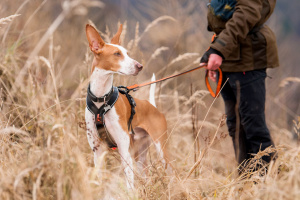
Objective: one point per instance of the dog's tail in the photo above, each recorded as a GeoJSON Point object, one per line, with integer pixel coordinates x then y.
{"type": "Point", "coordinates": [152, 92]}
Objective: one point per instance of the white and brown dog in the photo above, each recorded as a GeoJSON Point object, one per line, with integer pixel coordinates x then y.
{"type": "Point", "coordinates": [148, 122]}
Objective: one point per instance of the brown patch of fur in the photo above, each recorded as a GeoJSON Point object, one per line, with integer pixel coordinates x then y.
{"type": "Point", "coordinates": [108, 58]}
{"type": "Point", "coordinates": [147, 117]}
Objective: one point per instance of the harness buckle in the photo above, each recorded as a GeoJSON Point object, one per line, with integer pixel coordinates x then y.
{"type": "Point", "coordinates": [99, 119]}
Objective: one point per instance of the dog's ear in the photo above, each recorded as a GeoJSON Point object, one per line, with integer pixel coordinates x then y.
{"type": "Point", "coordinates": [96, 43]}
{"type": "Point", "coordinates": [116, 38]}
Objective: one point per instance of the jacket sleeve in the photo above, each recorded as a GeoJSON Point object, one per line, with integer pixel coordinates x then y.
{"type": "Point", "coordinates": [246, 15]}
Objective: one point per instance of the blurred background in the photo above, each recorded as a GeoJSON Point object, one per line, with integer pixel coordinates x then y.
{"type": "Point", "coordinates": [45, 63]}
{"type": "Point", "coordinates": [183, 32]}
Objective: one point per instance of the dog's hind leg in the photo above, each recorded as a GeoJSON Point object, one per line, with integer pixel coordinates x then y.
{"type": "Point", "coordinates": [141, 143]}
{"type": "Point", "coordinates": [159, 131]}
{"type": "Point", "coordinates": [160, 138]}
{"type": "Point", "coordinates": [163, 153]}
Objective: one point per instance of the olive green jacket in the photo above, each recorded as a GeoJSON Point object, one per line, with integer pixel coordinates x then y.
{"type": "Point", "coordinates": [244, 41]}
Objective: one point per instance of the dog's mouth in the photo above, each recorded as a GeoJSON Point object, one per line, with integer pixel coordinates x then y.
{"type": "Point", "coordinates": [121, 73]}
{"type": "Point", "coordinates": [134, 74]}
{"type": "Point", "coordinates": [137, 72]}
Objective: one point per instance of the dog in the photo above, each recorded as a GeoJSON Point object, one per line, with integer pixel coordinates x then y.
{"type": "Point", "coordinates": [148, 122]}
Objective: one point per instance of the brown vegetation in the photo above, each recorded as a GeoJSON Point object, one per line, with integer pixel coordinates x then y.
{"type": "Point", "coordinates": [44, 68]}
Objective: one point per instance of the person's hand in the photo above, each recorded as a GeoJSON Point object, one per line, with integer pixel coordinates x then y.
{"type": "Point", "coordinates": [212, 75]}
{"type": "Point", "coordinates": [214, 62]}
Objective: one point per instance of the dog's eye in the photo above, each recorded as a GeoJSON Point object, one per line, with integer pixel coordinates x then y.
{"type": "Point", "coordinates": [117, 54]}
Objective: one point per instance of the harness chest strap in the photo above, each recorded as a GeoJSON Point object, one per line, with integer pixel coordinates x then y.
{"type": "Point", "coordinates": [99, 115]}
{"type": "Point", "coordinates": [111, 98]}
{"type": "Point", "coordinates": [125, 91]}
{"type": "Point", "coordinates": [99, 99]}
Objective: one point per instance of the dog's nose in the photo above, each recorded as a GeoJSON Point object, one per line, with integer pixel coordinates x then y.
{"type": "Point", "coordinates": [138, 66]}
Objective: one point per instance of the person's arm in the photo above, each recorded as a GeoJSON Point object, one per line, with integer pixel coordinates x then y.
{"type": "Point", "coordinates": [246, 15]}
{"type": "Point", "coordinates": [214, 59]}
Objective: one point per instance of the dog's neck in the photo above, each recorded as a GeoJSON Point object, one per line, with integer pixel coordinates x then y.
{"type": "Point", "coordinates": [101, 82]}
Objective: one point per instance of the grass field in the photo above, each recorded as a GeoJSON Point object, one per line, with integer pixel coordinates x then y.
{"type": "Point", "coordinates": [45, 65]}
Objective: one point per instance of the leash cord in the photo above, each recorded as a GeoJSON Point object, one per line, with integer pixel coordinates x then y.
{"type": "Point", "coordinates": [135, 87]}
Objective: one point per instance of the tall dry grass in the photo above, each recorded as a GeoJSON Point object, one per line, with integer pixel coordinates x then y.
{"type": "Point", "coordinates": [45, 65]}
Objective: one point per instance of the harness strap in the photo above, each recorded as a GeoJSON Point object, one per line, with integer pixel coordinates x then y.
{"type": "Point", "coordinates": [99, 99]}
{"type": "Point", "coordinates": [124, 90]}
{"type": "Point", "coordinates": [99, 115]}
{"type": "Point", "coordinates": [111, 99]}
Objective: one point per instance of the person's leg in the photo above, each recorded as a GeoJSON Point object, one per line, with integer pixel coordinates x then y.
{"type": "Point", "coordinates": [235, 129]}
{"type": "Point", "coordinates": [252, 111]}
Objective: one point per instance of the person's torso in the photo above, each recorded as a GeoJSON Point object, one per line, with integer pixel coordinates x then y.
{"type": "Point", "coordinates": [258, 50]}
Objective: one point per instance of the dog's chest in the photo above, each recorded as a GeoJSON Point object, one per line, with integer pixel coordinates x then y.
{"type": "Point", "coordinates": [112, 127]}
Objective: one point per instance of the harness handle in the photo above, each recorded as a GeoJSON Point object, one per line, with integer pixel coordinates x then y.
{"type": "Point", "coordinates": [219, 84]}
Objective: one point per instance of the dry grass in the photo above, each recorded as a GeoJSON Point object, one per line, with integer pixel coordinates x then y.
{"type": "Point", "coordinates": [44, 154]}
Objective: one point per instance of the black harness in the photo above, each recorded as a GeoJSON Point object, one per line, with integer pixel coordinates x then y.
{"type": "Point", "coordinates": [125, 91]}
{"type": "Point", "coordinates": [109, 101]}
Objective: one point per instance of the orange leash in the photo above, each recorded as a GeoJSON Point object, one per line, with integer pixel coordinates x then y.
{"type": "Point", "coordinates": [219, 84]}
{"type": "Point", "coordinates": [137, 86]}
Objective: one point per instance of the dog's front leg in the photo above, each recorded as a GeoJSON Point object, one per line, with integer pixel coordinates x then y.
{"type": "Point", "coordinates": [123, 147]}
{"type": "Point", "coordinates": [122, 139]}
{"type": "Point", "coordinates": [93, 139]}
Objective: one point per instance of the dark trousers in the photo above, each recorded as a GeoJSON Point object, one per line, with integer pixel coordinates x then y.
{"type": "Point", "coordinates": [244, 95]}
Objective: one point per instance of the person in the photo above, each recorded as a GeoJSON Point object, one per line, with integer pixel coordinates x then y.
{"type": "Point", "coordinates": [244, 47]}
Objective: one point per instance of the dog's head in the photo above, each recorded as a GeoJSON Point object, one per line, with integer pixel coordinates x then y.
{"type": "Point", "coordinates": [111, 56]}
